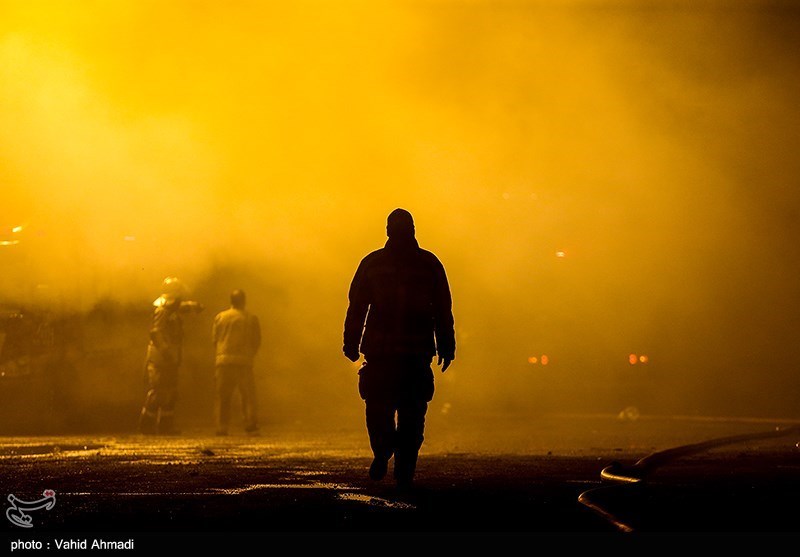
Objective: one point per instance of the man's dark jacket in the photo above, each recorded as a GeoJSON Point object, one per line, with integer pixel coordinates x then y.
{"type": "Point", "coordinates": [402, 293]}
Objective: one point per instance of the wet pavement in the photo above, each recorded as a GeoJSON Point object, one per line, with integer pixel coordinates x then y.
{"type": "Point", "coordinates": [585, 476]}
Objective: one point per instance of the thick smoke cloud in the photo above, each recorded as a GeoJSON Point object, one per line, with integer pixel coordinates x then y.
{"type": "Point", "coordinates": [600, 179]}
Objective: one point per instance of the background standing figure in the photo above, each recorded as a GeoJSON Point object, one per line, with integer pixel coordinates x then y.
{"type": "Point", "coordinates": [237, 338]}
{"type": "Point", "coordinates": [399, 316]}
{"type": "Point", "coordinates": [164, 355]}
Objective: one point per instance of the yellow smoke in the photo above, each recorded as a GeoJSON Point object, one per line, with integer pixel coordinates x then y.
{"type": "Point", "coordinates": [585, 170]}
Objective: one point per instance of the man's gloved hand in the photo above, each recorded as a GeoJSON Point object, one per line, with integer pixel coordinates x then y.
{"type": "Point", "coordinates": [445, 362]}
{"type": "Point", "coordinates": [352, 354]}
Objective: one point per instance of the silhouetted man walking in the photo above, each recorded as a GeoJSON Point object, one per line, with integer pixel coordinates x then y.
{"type": "Point", "coordinates": [400, 316]}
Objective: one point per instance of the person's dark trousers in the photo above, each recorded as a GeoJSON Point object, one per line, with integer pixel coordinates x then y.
{"type": "Point", "coordinates": [158, 412]}
{"type": "Point", "coordinates": [396, 429]}
{"type": "Point", "coordinates": [396, 392]}
{"type": "Point", "coordinates": [381, 427]}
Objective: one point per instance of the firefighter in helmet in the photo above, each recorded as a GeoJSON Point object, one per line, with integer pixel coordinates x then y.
{"type": "Point", "coordinates": [164, 353]}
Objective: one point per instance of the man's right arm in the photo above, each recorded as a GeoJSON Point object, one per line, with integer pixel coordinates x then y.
{"type": "Point", "coordinates": [215, 330]}
{"type": "Point", "coordinates": [356, 313]}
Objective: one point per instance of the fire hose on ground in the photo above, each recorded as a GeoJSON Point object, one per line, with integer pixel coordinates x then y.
{"type": "Point", "coordinates": [638, 473]}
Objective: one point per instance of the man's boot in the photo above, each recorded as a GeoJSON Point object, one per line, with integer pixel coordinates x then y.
{"type": "Point", "coordinates": [166, 424]}
{"type": "Point", "coordinates": [405, 464]}
{"type": "Point", "coordinates": [378, 468]}
{"type": "Point", "coordinates": [147, 422]}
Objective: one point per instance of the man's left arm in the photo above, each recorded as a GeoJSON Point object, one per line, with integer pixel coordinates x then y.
{"type": "Point", "coordinates": [191, 306]}
{"type": "Point", "coordinates": [444, 323]}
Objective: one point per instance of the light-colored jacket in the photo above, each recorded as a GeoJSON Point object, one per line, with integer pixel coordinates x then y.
{"type": "Point", "coordinates": [237, 337]}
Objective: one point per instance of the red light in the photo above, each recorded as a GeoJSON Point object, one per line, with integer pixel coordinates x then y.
{"type": "Point", "coordinates": [632, 359]}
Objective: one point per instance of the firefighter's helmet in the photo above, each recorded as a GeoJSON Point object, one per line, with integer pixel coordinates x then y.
{"type": "Point", "coordinates": [172, 289]}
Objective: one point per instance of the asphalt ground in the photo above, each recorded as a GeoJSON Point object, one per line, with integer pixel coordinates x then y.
{"type": "Point", "coordinates": [559, 477]}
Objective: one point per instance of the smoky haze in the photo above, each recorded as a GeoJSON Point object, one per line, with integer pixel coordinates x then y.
{"type": "Point", "coordinates": [600, 180]}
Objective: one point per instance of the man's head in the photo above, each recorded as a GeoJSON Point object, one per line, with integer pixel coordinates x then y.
{"type": "Point", "coordinates": [400, 224]}
{"type": "Point", "coordinates": [238, 299]}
